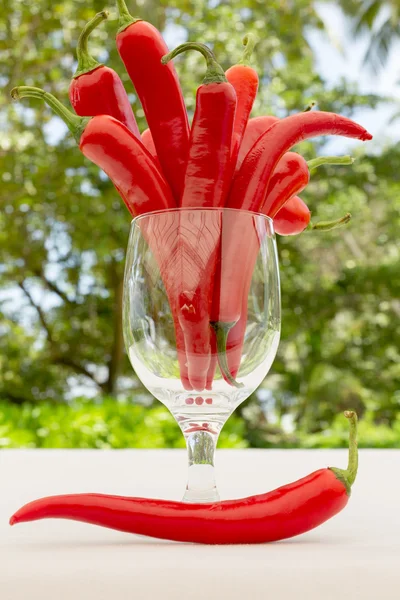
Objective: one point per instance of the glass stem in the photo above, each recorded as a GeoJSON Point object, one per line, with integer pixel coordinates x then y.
{"type": "Point", "coordinates": [201, 441]}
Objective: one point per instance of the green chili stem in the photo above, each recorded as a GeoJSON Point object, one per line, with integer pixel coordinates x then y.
{"type": "Point", "coordinates": [75, 124]}
{"type": "Point", "coordinates": [249, 42]}
{"type": "Point", "coordinates": [87, 63]}
{"type": "Point", "coordinates": [314, 163]}
{"type": "Point", "coordinates": [125, 18]}
{"type": "Point", "coordinates": [214, 73]}
{"type": "Point", "coordinates": [221, 334]}
{"type": "Point", "coordinates": [348, 476]}
{"type": "Point", "coordinates": [330, 225]}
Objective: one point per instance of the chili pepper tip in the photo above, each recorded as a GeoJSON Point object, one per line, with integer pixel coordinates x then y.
{"type": "Point", "coordinates": [13, 520]}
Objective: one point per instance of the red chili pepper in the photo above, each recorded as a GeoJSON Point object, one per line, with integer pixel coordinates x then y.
{"type": "Point", "coordinates": [255, 129]}
{"type": "Point", "coordinates": [290, 177]}
{"type": "Point", "coordinates": [292, 218]}
{"type": "Point", "coordinates": [141, 48]}
{"type": "Point", "coordinates": [251, 181]}
{"type": "Point", "coordinates": [148, 142]}
{"type": "Point", "coordinates": [207, 181]}
{"type": "Point", "coordinates": [97, 89]}
{"type": "Point", "coordinates": [248, 192]}
{"type": "Point", "coordinates": [283, 513]}
{"type": "Point", "coordinates": [244, 79]}
{"type": "Point", "coordinates": [229, 315]}
{"type": "Point", "coordinates": [112, 147]}
{"type": "Point", "coordinates": [207, 175]}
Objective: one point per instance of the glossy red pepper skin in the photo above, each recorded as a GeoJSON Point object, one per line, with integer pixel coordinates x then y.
{"type": "Point", "coordinates": [113, 148]}
{"type": "Point", "coordinates": [207, 175]}
{"type": "Point", "coordinates": [244, 80]}
{"type": "Point", "coordinates": [256, 127]}
{"type": "Point", "coordinates": [293, 218]}
{"type": "Point", "coordinates": [283, 513]}
{"type": "Point", "coordinates": [251, 181]}
{"type": "Point", "coordinates": [96, 89]}
{"type": "Point", "coordinates": [148, 143]}
{"type": "Point", "coordinates": [141, 47]}
{"type": "Point", "coordinates": [101, 92]}
{"type": "Point", "coordinates": [290, 177]}
{"type": "Point", "coordinates": [207, 181]}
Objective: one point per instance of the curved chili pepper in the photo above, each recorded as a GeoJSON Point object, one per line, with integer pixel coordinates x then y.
{"type": "Point", "coordinates": [207, 181]}
{"type": "Point", "coordinates": [283, 513]}
{"type": "Point", "coordinates": [244, 79]}
{"type": "Point", "coordinates": [255, 129]}
{"type": "Point", "coordinates": [112, 147]}
{"type": "Point", "coordinates": [290, 177]}
{"type": "Point", "coordinates": [251, 181]}
{"type": "Point", "coordinates": [292, 218]}
{"type": "Point", "coordinates": [248, 192]}
{"type": "Point", "coordinates": [207, 175]}
{"type": "Point", "coordinates": [96, 89]}
{"type": "Point", "coordinates": [229, 315]}
{"type": "Point", "coordinates": [141, 47]}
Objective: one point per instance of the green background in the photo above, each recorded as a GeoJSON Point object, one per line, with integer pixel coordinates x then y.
{"type": "Point", "coordinates": [63, 232]}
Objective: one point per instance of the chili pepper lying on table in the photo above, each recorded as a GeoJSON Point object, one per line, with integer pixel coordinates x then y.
{"type": "Point", "coordinates": [248, 192]}
{"type": "Point", "coordinates": [96, 89]}
{"type": "Point", "coordinates": [206, 184]}
{"type": "Point", "coordinates": [282, 513]}
{"type": "Point", "coordinates": [141, 47]}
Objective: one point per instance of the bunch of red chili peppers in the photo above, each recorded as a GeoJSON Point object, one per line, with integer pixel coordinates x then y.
{"type": "Point", "coordinates": [224, 159]}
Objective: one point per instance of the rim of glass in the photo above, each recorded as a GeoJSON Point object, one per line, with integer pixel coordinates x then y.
{"type": "Point", "coordinates": [269, 220]}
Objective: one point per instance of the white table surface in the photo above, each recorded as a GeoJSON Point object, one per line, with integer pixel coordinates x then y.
{"type": "Point", "coordinates": [354, 556]}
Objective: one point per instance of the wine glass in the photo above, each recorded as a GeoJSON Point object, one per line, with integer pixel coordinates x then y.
{"type": "Point", "coordinates": [201, 320]}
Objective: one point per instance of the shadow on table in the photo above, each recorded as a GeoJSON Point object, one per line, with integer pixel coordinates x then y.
{"type": "Point", "coordinates": [143, 541]}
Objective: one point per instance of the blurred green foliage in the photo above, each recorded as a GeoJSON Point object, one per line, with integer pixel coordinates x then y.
{"type": "Point", "coordinates": [63, 233]}
{"type": "Point", "coordinates": [111, 424]}
{"type": "Point", "coordinates": [105, 424]}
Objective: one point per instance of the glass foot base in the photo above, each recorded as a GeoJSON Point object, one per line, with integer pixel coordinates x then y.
{"type": "Point", "coordinates": [202, 485]}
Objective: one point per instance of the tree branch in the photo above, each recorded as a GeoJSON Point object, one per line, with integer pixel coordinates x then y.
{"type": "Point", "coordinates": [69, 362]}
{"type": "Point", "coordinates": [39, 311]}
{"type": "Point", "coordinates": [53, 287]}
{"type": "Point", "coordinates": [58, 358]}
